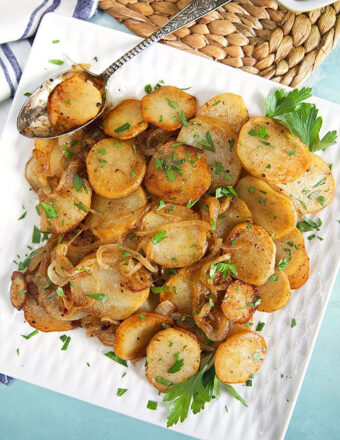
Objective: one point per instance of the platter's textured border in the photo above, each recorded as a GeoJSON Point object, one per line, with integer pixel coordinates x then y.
{"type": "Point", "coordinates": [41, 361]}
{"type": "Point", "coordinates": [257, 36]}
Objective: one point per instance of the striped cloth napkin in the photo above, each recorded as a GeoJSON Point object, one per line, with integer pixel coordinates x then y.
{"type": "Point", "coordinates": [19, 20]}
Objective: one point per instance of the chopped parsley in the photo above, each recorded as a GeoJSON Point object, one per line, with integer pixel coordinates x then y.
{"type": "Point", "coordinates": [101, 297]}
{"type": "Point", "coordinates": [111, 355]}
{"type": "Point", "coordinates": [152, 405]}
{"type": "Point", "coordinates": [121, 391]}
{"type": "Point", "coordinates": [122, 128]}
{"type": "Point", "coordinates": [66, 340]}
{"type": "Point", "coordinates": [57, 62]}
{"type": "Point", "coordinates": [50, 210]}
{"type": "Point", "coordinates": [157, 238]}
{"type": "Point", "coordinates": [30, 335]}
{"type": "Point", "coordinates": [178, 364]}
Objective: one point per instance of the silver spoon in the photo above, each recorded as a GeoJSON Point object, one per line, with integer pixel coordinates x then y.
{"type": "Point", "coordinates": [33, 121]}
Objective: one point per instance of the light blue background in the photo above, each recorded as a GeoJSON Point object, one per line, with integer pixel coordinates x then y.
{"type": "Point", "coordinates": [30, 412]}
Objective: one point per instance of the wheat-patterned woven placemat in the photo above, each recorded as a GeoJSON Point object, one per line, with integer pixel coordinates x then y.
{"type": "Point", "coordinates": [257, 36]}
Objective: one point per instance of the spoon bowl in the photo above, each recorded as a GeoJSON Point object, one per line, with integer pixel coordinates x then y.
{"type": "Point", "coordinates": [33, 120]}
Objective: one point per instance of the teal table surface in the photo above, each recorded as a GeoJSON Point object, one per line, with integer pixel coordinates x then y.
{"type": "Point", "coordinates": [29, 412]}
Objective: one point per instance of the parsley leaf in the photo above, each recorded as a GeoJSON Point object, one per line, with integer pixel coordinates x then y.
{"type": "Point", "coordinates": [278, 103]}
{"type": "Point", "coordinates": [300, 117]}
{"type": "Point", "coordinates": [194, 393]}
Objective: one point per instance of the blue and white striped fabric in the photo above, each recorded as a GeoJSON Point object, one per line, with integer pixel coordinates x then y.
{"type": "Point", "coordinates": [19, 20]}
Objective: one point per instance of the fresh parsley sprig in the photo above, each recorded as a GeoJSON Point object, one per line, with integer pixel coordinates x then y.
{"type": "Point", "coordinates": [301, 118]}
{"type": "Point", "coordinates": [194, 393]}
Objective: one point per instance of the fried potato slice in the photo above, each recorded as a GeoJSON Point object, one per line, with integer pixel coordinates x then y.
{"type": "Point", "coordinates": [252, 252]}
{"type": "Point", "coordinates": [162, 215]}
{"type": "Point", "coordinates": [236, 213]}
{"type": "Point", "coordinates": [18, 290]}
{"type": "Point", "coordinates": [65, 209]}
{"type": "Point", "coordinates": [119, 301]}
{"type": "Point", "coordinates": [240, 302]}
{"type": "Point", "coordinates": [275, 293]}
{"type": "Point", "coordinates": [227, 107]}
{"type": "Point", "coordinates": [291, 248]}
{"type": "Point", "coordinates": [299, 277]}
{"type": "Point", "coordinates": [134, 334]}
{"type": "Point", "coordinates": [268, 150]}
{"type": "Point", "coordinates": [73, 102]}
{"type": "Point", "coordinates": [270, 209]}
{"type": "Point", "coordinates": [217, 140]}
{"type": "Point", "coordinates": [179, 291]}
{"type": "Point", "coordinates": [115, 168]}
{"type": "Point", "coordinates": [238, 328]}
{"type": "Point", "coordinates": [240, 356]}
{"type": "Point", "coordinates": [167, 350]}
{"type": "Point", "coordinates": [113, 217]}
{"type": "Point", "coordinates": [34, 174]}
{"type": "Point", "coordinates": [178, 244]}
{"type": "Point", "coordinates": [312, 191]}
{"type": "Point", "coordinates": [177, 173]}
{"type": "Point", "coordinates": [38, 318]}
{"type": "Point", "coordinates": [125, 121]}
{"type": "Point", "coordinates": [167, 107]}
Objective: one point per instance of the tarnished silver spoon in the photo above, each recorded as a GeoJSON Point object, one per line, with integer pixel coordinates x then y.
{"type": "Point", "coordinates": [33, 120]}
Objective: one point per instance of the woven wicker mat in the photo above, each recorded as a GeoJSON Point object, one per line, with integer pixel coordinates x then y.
{"type": "Point", "coordinates": [257, 36]}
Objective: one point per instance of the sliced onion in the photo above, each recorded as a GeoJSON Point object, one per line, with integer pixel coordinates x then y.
{"type": "Point", "coordinates": [165, 308]}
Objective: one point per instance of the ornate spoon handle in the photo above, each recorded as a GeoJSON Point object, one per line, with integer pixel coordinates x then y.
{"type": "Point", "coordinates": [195, 10]}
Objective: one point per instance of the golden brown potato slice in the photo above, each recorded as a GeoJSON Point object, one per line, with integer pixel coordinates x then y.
{"type": "Point", "coordinates": [134, 334]}
{"type": "Point", "coordinates": [112, 217]}
{"type": "Point", "coordinates": [217, 140]}
{"type": "Point", "coordinates": [312, 191]}
{"type": "Point", "coordinates": [38, 318]}
{"type": "Point", "coordinates": [166, 213]}
{"type": "Point", "coordinates": [64, 209]}
{"type": "Point", "coordinates": [238, 328]}
{"type": "Point", "coordinates": [177, 173]}
{"type": "Point", "coordinates": [236, 213]}
{"type": "Point", "coordinates": [252, 252]}
{"type": "Point", "coordinates": [275, 293]}
{"type": "Point", "coordinates": [300, 275]}
{"type": "Point", "coordinates": [150, 304]}
{"type": "Point", "coordinates": [168, 107]}
{"type": "Point", "coordinates": [74, 102]}
{"type": "Point", "coordinates": [114, 298]}
{"type": "Point", "coordinates": [227, 107]}
{"type": "Point", "coordinates": [18, 290]}
{"type": "Point", "coordinates": [35, 175]}
{"type": "Point", "coordinates": [291, 249]}
{"type": "Point", "coordinates": [270, 209]}
{"type": "Point", "coordinates": [173, 356]}
{"type": "Point", "coordinates": [179, 291]}
{"type": "Point", "coordinates": [239, 357]}
{"type": "Point", "coordinates": [115, 168]}
{"type": "Point", "coordinates": [177, 244]}
{"type": "Point", "coordinates": [268, 150]}
{"type": "Point", "coordinates": [240, 302]}
{"type": "Point", "coordinates": [125, 121]}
